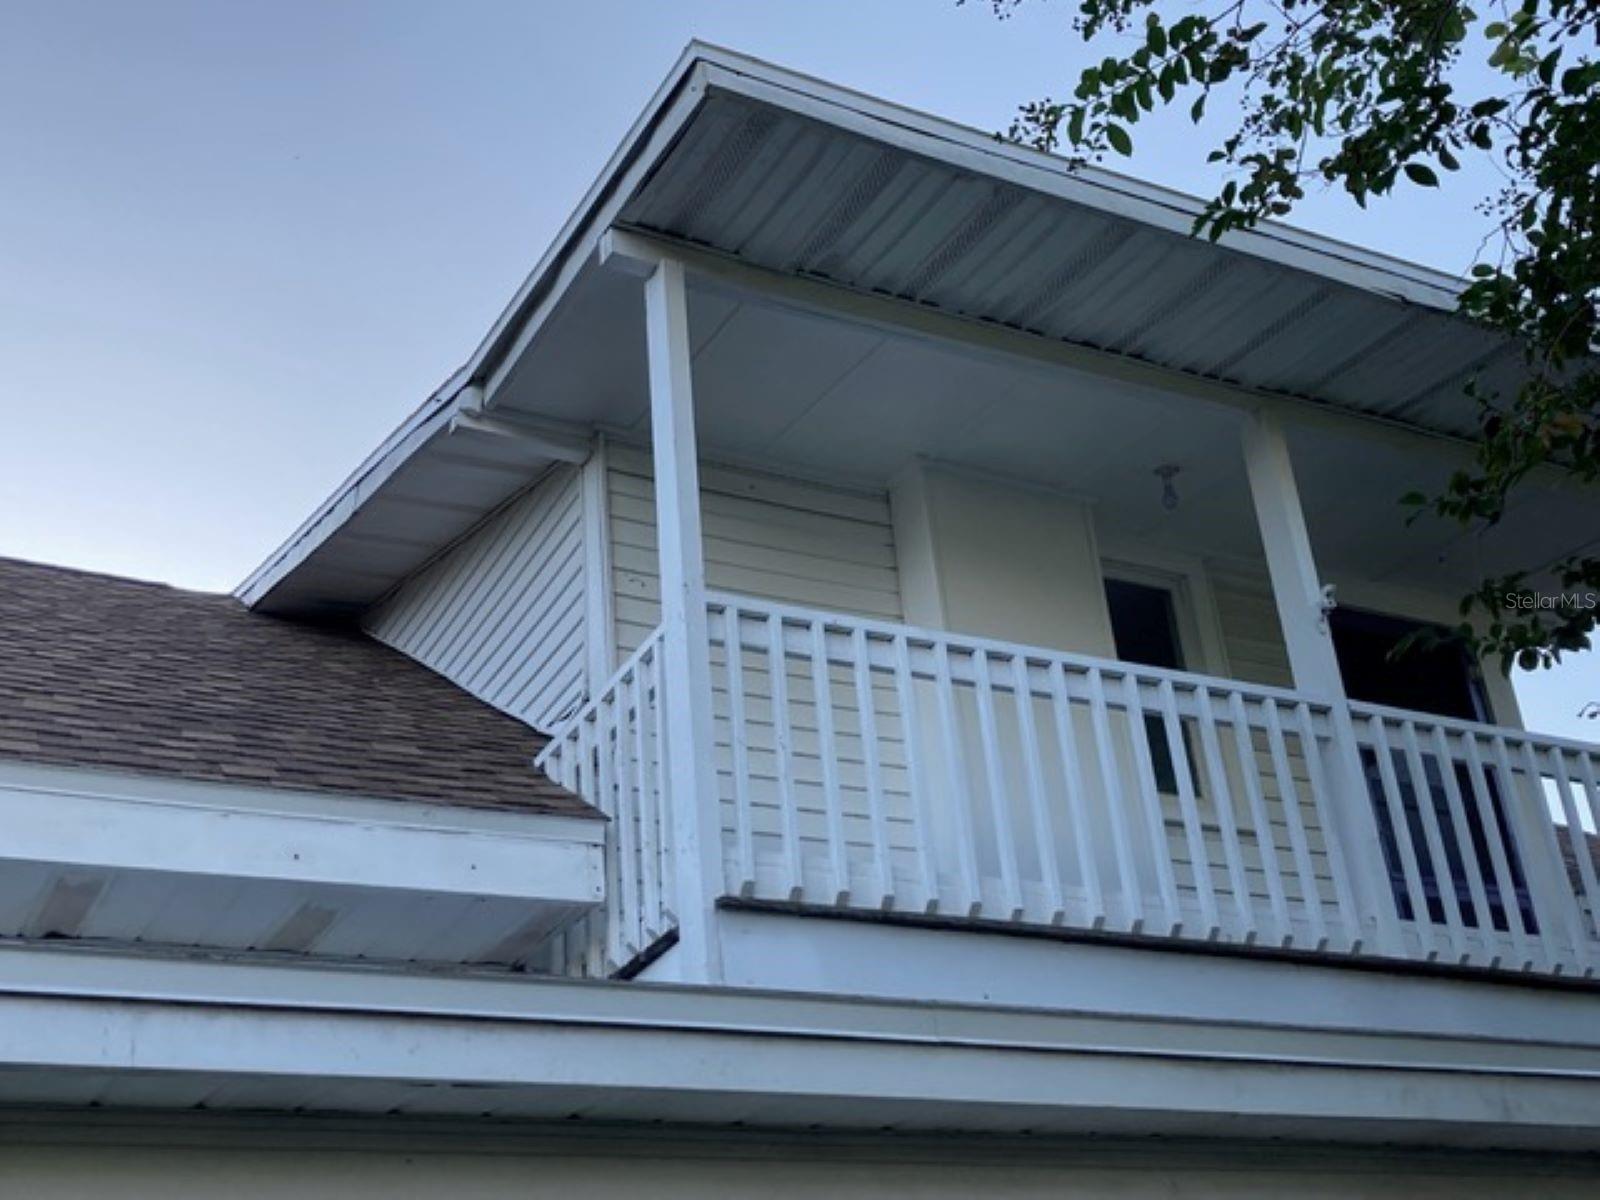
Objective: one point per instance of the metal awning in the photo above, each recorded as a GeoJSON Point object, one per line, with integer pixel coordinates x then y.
{"type": "Point", "coordinates": [784, 174]}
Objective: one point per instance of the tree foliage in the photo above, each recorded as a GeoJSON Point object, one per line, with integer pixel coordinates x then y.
{"type": "Point", "coordinates": [1370, 96]}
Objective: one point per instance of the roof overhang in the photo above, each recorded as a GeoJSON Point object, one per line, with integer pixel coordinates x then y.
{"type": "Point", "coordinates": [111, 857]}
{"type": "Point", "coordinates": [793, 177]}
{"type": "Point", "coordinates": [81, 1028]}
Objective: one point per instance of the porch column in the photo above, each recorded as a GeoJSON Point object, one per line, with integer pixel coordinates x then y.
{"type": "Point", "coordinates": [1303, 615]}
{"type": "Point", "coordinates": [1295, 586]}
{"type": "Point", "coordinates": [691, 780]}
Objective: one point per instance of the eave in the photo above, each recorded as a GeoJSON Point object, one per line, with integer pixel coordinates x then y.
{"type": "Point", "coordinates": [80, 1028]}
{"type": "Point", "coordinates": [794, 177]}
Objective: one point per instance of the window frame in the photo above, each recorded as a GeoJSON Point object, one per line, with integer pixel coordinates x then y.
{"type": "Point", "coordinates": [1193, 605]}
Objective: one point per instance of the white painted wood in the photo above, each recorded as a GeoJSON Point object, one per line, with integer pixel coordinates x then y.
{"type": "Point", "coordinates": [610, 754]}
{"type": "Point", "coordinates": [1266, 850]}
{"type": "Point", "coordinates": [1044, 834]}
{"type": "Point", "coordinates": [1422, 798]}
{"type": "Point", "coordinates": [917, 774]}
{"type": "Point", "coordinates": [1299, 844]}
{"type": "Point", "coordinates": [867, 723]}
{"type": "Point", "coordinates": [1194, 834]}
{"type": "Point", "coordinates": [599, 633]}
{"type": "Point", "coordinates": [1296, 586]}
{"type": "Point", "coordinates": [685, 641]}
{"type": "Point", "coordinates": [828, 753]}
{"type": "Point", "coordinates": [1461, 832]}
{"type": "Point", "coordinates": [744, 821]}
{"type": "Point", "coordinates": [1222, 807]}
{"type": "Point", "coordinates": [502, 613]}
{"type": "Point", "coordinates": [62, 822]}
{"type": "Point", "coordinates": [1505, 882]}
{"type": "Point", "coordinates": [1075, 794]}
{"type": "Point", "coordinates": [1147, 800]}
{"type": "Point", "coordinates": [1442, 1051]}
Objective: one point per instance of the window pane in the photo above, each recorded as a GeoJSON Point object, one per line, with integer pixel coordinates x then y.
{"type": "Point", "coordinates": [1144, 624]}
{"type": "Point", "coordinates": [1144, 627]}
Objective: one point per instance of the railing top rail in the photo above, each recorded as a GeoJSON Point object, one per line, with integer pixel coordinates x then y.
{"type": "Point", "coordinates": [1515, 737]}
{"type": "Point", "coordinates": [586, 708]}
{"type": "Point", "coordinates": [1042, 654]}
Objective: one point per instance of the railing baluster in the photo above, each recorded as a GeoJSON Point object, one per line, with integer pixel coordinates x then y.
{"type": "Point", "coordinates": [1485, 824]}
{"type": "Point", "coordinates": [627, 919]}
{"type": "Point", "coordinates": [966, 850]}
{"type": "Point", "coordinates": [602, 749]}
{"type": "Point", "coordinates": [1222, 800]}
{"type": "Point", "coordinates": [1591, 790]}
{"type": "Point", "coordinates": [1489, 818]}
{"type": "Point", "coordinates": [667, 870]}
{"type": "Point", "coordinates": [1443, 882]}
{"type": "Point", "coordinates": [783, 752]}
{"type": "Point", "coordinates": [1115, 806]}
{"type": "Point", "coordinates": [867, 724]}
{"type": "Point", "coordinates": [1299, 844]}
{"type": "Point", "coordinates": [1149, 802]}
{"type": "Point", "coordinates": [739, 744]}
{"type": "Point", "coordinates": [994, 777]}
{"type": "Point", "coordinates": [916, 773]}
{"type": "Point", "coordinates": [1044, 834]}
{"type": "Point", "coordinates": [1394, 806]}
{"type": "Point", "coordinates": [828, 752]}
{"type": "Point", "coordinates": [1333, 845]}
{"type": "Point", "coordinates": [1576, 839]}
{"type": "Point", "coordinates": [1266, 845]}
{"type": "Point", "coordinates": [1193, 829]}
{"type": "Point", "coordinates": [1467, 849]}
{"type": "Point", "coordinates": [1556, 890]}
{"type": "Point", "coordinates": [1077, 802]}
{"type": "Point", "coordinates": [649, 801]}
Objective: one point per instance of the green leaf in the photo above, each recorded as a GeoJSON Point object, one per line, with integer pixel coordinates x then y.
{"type": "Point", "coordinates": [1422, 176]}
{"type": "Point", "coordinates": [1119, 139]}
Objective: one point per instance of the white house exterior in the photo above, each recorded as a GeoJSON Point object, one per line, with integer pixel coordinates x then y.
{"type": "Point", "coordinates": [948, 608]}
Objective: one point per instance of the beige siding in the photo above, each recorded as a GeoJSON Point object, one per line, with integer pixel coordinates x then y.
{"type": "Point", "coordinates": [793, 543]}
{"type": "Point", "coordinates": [502, 613]}
{"type": "Point", "coordinates": [1251, 638]}
{"type": "Point", "coordinates": [777, 539]}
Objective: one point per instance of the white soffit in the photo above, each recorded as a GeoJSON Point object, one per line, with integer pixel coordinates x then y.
{"type": "Point", "coordinates": [794, 175]}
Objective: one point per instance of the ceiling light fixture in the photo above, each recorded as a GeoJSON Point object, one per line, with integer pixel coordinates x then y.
{"type": "Point", "coordinates": [1167, 472]}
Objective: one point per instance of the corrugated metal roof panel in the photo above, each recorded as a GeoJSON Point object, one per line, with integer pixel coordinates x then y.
{"type": "Point", "coordinates": [790, 192]}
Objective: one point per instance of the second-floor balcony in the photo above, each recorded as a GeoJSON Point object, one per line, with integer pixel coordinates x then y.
{"type": "Point", "coordinates": [872, 768]}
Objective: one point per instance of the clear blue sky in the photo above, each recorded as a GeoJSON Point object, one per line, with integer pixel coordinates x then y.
{"type": "Point", "coordinates": [239, 242]}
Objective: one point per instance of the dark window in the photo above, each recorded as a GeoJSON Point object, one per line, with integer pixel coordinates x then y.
{"type": "Point", "coordinates": [1439, 678]}
{"type": "Point", "coordinates": [1144, 627]}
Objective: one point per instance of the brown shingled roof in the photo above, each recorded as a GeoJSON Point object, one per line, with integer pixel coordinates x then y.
{"type": "Point", "coordinates": [103, 672]}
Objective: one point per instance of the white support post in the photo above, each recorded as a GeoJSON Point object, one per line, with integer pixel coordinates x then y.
{"type": "Point", "coordinates": [1295, 585]}
{"type": "Point", "coordinates": [1303, 615]}
{"type": "Point", "coordinates": [599, 619]}
{"type": "Point", "coordinates": [691, 781]}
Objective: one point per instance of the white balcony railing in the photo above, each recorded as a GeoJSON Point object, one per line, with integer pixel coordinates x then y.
{"type": "Point", "coordinates": [873, 767]}
{"type": "Point", "coordinates": [610, 753]}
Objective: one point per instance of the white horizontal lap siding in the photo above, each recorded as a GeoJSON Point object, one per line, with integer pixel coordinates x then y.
{"type": "Point", "coordinates": [501, 614]}
{"type": "Point", "coordinates": [794, 543]}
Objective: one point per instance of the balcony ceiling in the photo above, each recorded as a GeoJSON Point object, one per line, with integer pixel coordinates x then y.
{"type": "Point", "coordinates": [792, 179]}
